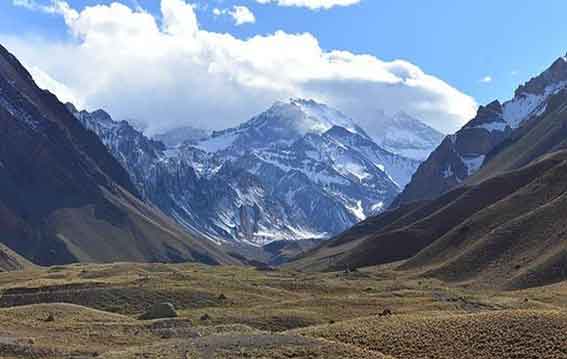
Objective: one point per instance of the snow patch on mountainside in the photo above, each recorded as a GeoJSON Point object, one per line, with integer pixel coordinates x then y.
{"type": "Point", "coordinates": [494, 126]}
{"type": "Point", "coordinates": [473, 163]}
{"type": "Point", "coordinates": [357, 210]}
{"type": "Point", "coordinates": [526, 105]}
{"type": "Point", "coordinates": [448, 172]}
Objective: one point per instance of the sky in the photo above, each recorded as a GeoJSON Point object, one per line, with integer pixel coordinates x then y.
{"type": "Point", "coordinates": [216, 63]}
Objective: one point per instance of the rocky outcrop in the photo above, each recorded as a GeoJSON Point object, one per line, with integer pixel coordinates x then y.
{"type": "Point", "coordinates": [538, 85]}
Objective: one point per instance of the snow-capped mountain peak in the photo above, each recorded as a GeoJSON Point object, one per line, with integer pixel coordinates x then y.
{"type": "Point", "coordinates": [300, 169]}
{"type": "Point", "coordinates": [319, 118]}
{"type": "Point", "coordinates": [282, 124]}
{"type": "Point", "coordinates": [301, 117]}
{"type": "Point", "coordinates": [530, 98]}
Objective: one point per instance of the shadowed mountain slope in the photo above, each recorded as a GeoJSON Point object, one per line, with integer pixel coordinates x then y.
{"type": "Point", "coordinates": [63, 197]}
{"type": "Point", "coordinates": [11, 261]}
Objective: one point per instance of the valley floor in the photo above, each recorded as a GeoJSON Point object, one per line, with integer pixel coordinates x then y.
{"type": "Point", "coordinates": [84, 311]}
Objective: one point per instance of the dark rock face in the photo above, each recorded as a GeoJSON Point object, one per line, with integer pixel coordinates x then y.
{"type": "Point", "coordinates": [298, 170]}
{"type": "Point", "coordinates": [487, 115]}
{"type": "Point", "coordinates": [472, 142]}
{"type": "Point", "coordinates": [454, 161]}
{"type": "Point", "coordinates": [443, 169]}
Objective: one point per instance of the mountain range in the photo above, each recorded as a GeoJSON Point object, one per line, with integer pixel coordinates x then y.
{"type": "Point", "coordinates": [485, 208]}
{"type": "Point", "coordinates": [299, 170]}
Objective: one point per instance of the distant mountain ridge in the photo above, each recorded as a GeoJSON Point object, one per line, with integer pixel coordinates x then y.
{"type": "Point", "coordinates": [298, 170]}
{"type": "Point", "coordinates": [405, 135]}
{"type": "Point", "coordinates": [178, 136]}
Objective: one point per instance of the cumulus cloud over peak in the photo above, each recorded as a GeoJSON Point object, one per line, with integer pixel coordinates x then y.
{"type": "Point", "coordinates": [167, 72]}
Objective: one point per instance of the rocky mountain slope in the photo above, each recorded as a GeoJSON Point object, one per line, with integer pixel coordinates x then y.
{"type": "Point", "coordinates": [464, 153]}
{"type": "Point", "coordinates": [405, 135]}
{"type": "Point", "coordinates": [502, 226]}
{"type": "Point", "coordinates": [506, 231]}
{"type": "Point", "coordinates": [63, 196]}
{"type": "Point", "coordinates": [299, 170]}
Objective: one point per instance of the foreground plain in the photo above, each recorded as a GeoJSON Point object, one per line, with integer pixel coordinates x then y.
{"type": "Point", "coordinates": [84, 311]}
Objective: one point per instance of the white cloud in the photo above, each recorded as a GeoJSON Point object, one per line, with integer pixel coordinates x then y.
{"type": "Point", "coordinates": [55, 7]}
{"type": "Point", "coordinates": [240, 14]}
{"type": "Point", "coordinates": [311, 4]}
{"type": "Point", "coordinates": [486, 79]}
{"type": "Point", "coordinates": [167, 71]}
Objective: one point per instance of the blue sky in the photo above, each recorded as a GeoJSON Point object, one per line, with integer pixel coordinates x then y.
{"type": "Point", "coordinates": [459, 42]}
